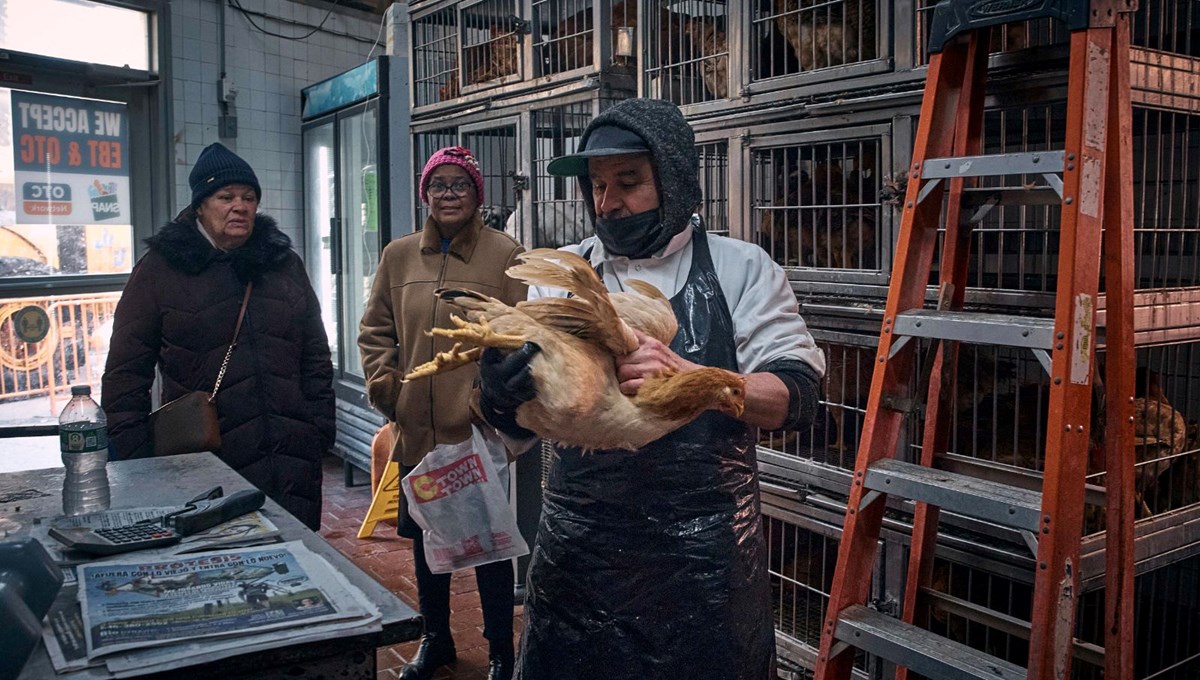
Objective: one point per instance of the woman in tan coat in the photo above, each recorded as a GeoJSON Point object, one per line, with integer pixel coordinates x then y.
{"type": "Point", "coordinates": [454, 249]}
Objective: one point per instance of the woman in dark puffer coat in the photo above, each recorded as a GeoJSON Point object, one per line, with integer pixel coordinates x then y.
{"type": "Point", "coordinates": [178, 312]}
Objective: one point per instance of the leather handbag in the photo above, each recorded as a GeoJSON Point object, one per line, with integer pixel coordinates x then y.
{"type": "Point", "coordinates": [189, 424]}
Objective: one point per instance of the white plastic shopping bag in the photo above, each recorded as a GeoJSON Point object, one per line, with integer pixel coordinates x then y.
{"type": "Point", "coordinates": [458, 496]}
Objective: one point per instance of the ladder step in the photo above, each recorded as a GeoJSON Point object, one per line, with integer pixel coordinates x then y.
{"type": "Point", "coordinates": [1002, 504]}
{"type": "Point", "coordinates": [1042, 194]}
{"type": "Point", "coordinates": [994, 165]}
{"type": "Point", "coordinates": [919, 650]}
{"type": "Point", "coordinates": [977, 328]}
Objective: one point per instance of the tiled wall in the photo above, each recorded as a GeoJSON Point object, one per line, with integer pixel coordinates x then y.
{"type": "Point", "coordinates": [269, 73]}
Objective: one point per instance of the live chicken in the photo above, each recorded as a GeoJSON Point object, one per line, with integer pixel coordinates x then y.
{"type": "Point", "coordinates": [579, 401]}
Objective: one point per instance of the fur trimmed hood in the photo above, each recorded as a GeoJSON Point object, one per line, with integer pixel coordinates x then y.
{"type": "Point", "coordinates": [185, 248]}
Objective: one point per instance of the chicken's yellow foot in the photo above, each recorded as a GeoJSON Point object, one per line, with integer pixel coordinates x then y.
{"type": "Point", "coordinates": [479, 333]}
{"type": "Point", "coordinates": [445, 361]}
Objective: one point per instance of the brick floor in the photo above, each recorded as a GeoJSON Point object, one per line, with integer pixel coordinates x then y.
{"type": "Point", "coordinates": [388, 558]}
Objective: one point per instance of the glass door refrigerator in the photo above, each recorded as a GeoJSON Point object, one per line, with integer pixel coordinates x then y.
{"type": "Point", "coordinates": [354, 128]}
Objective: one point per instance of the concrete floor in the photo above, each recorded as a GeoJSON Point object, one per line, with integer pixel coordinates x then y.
{"type": "Point", "coordinates": [388, 558]}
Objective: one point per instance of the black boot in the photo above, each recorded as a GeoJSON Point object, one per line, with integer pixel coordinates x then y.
{"type": "Point", "coordinates": [499, 669]}
{"type": "Point", "coordinates": [436, 650]}
{"type": "Point", "coordinates": [500, 663]}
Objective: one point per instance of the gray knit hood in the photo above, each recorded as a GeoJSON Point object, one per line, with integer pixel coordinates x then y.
{"type": "Point", "coordinates": [672, 153]}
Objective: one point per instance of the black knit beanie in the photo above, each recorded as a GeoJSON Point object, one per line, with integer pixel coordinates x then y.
{"type": "Point", "coordinates": [217, 167]}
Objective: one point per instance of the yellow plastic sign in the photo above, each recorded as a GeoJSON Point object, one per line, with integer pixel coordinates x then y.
{"type": "Point", "coordinates": [386, 502]}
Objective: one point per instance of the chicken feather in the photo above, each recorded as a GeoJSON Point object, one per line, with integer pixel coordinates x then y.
{"type": "Point", "coordinates": [592, 305]}
{"type": "Point", "coordinates": [579, 401]}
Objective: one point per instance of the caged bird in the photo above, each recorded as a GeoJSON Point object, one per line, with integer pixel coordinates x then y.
{"type": "Point", "coordinates": [1160, 435]}
{"type": "Point", "coordinates": [579, 401]}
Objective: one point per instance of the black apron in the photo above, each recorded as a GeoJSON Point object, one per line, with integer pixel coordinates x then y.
{"type": "Point", "coordinates": [652, 564]}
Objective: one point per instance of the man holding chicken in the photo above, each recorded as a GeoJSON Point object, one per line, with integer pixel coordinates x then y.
{"type": "Point", "coordinates": [652, 563]}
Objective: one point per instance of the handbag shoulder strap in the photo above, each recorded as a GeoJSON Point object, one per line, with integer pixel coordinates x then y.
{"type": "Point", "coordinates": [237, 330]}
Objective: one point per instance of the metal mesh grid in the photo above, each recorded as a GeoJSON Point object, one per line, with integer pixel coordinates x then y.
{"type": "Point", "coordinates": [818, 33]}
{"type": "Point", "coordinates": [496, 150]}
{"type": "Point", "coordinates": [1000, 402]}
{"type": "Point", "coordinates": [435, 57]}
{"type": "Point", "coordinates": [817, 205]}
{"type": "Point", "coordinates": [1007, 38]}
{"type": "Point", "coordinates": [689, 52]}
{"type": "Point", "coordinates": [987, 590]}
{"type": "Point", "coordinates": [1167, 622]}
{"type": "Point", "coordinates": [1165, 410]}
{"type": "Point", "coordinates": [559, 217]}
{"type": "Point", "coordinates": [801, 565]}
{"type": "Point", "coordinates": [833, 437]}
{"type": "Point", "coordinates": [1166, 618]}
{"type": "Point", "coordinates": [1166, 25]}
{"type": "Point", "coordinates": [565, 33]}
{"type": "Point", "coordinates": [491, 42]}
{"type": "Point", "coordinates": [714, 184]}
{"type": "Point", "coordinates": [424, 144]}
{"type": "Point", "coordinates": [1016, 247]}
{"type": "Point", "coordinates": [1166, 170]}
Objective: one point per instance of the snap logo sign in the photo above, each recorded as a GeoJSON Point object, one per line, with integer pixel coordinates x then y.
{"type": "Point", "coordinates": [70, 158]}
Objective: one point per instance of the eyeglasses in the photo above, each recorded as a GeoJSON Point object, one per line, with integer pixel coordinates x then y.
{"type": "Point", "coordinates": [460, 188]}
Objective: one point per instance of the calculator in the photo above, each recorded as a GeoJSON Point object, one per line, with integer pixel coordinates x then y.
{"type": "Point", "coordinates": [114, 540]}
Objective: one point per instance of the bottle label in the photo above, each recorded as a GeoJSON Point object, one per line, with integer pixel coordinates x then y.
{"type": "Point", "coordinates": [82, 440]}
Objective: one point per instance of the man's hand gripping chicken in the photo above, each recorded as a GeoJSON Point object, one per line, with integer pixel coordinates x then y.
{"type": "Point", "coordinates": [584, 396]}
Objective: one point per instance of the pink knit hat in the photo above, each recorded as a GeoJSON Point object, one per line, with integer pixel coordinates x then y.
{"type": "Point", "coordinates": [452, 155]}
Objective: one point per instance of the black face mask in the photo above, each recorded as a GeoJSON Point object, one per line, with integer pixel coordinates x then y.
{"type": "Point", "coordinates": [636, 237]}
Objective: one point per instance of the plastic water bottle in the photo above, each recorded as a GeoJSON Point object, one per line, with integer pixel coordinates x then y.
{"type": "Point", "coordinates": [83, 438]}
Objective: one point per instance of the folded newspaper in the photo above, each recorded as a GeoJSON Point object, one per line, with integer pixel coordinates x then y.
{"type": "Point", "coordinates": [133, 603]}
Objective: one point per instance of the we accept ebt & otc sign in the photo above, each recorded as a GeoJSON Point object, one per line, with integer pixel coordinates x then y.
{"type": "Point", "coordinates": [71, 158]}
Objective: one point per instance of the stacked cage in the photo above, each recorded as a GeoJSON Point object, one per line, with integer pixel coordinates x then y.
{"type": "Point", "coordinates": [822, 204]}
{"type": "Point", "coordinates": [805, 113]}
{"type": "Point", "coordinates": [517, 82]}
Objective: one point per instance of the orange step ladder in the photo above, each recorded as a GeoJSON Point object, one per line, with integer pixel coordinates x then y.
{"type": "Point", "coordinates": [1091, 178]}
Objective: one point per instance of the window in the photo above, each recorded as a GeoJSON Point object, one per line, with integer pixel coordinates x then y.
{"type": "Point", "coordinates": [79, 30]}
{"type": "Point", "coordinates": [64, 186]}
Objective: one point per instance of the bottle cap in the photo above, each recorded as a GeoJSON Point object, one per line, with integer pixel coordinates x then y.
{"type": "Point", "coordinates": [80, 390]}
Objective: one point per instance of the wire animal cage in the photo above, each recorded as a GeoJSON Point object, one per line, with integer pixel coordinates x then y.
{"type": "Point", "coordinates": [833, 438]}
{"type": "Point", "coordinates": [464, 49]}
{"type": "Point", "coordinates": [435, 57]}
{"type": "Point", "coordinates": [1167, 26]}
{"type": "Point", "coordinates": [984, 610]}
{"type": "Point", "coordinates": [817, 205]}
{"type": "Point", "coordinates": [565, 30]}
{"type": "Point", "coordinates": [714, 185]}
{"type": "Point", "coordinates": [801, 557]}
{"type": "Point", "coordinates": [817, 197]}
{"type": "Point", "coordinates": [495, 147]}
{"type": "Point", "coordinates": [1015, 248]}
{"type": "Point", "coordinates": [820, 34]}
{"type": "Point", "coordinates": [558, 216]}
{"type": "Point", "coordinates": [1007, 38]}
{"type": "Point", "coordinates": [1163, 25]}
{"type": "Point", "coordinates": [424, 145]}
{"type": "Point", "coordinates": [688, 47]}
{"type": "Point", "coordinates": [492, 52]}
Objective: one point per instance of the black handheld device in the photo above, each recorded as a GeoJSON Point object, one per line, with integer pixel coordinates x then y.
{"type": "Point", "coordinates": [203, 512]}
